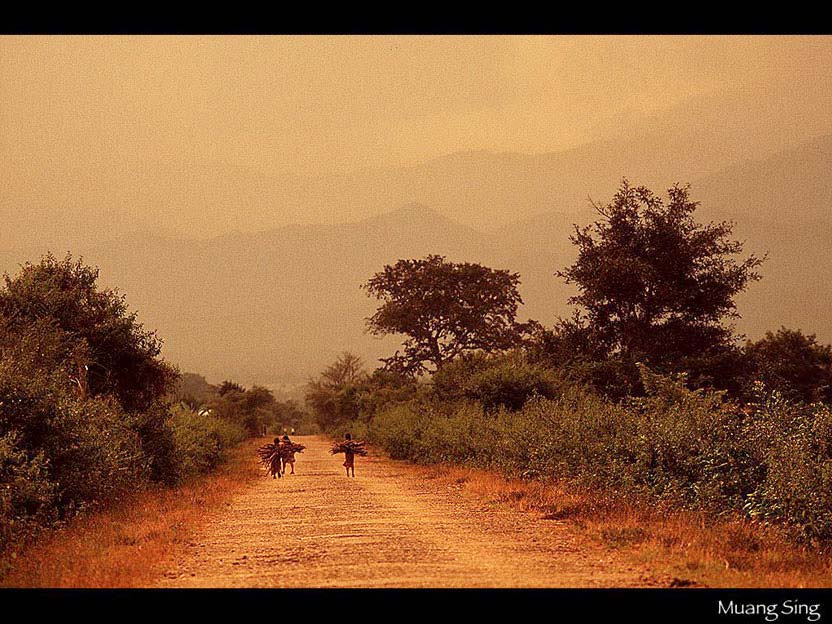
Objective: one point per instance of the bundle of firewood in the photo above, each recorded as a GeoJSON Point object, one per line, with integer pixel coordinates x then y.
{"type": "Point", "coordinates": [287, 449]}
{"type": "Point", "coordinates": [348, 446]}
{"type": "Point", "coordinates": [265, 453]}
{"type": "Point", "coordinates": [270, 458]}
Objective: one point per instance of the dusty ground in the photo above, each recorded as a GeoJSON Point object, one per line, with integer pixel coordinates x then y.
{"type": "Point", "coordinates": [388, 527]}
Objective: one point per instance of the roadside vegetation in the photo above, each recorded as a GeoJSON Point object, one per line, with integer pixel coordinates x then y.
{"type": "Point", "coordinates": [91, 414]}
{"type": "Point", "coordinates": [646, 395]}
{"type": "Point", "coordinates": [132, 541]}
{"type": "Point", "coordinates": [644, 406]}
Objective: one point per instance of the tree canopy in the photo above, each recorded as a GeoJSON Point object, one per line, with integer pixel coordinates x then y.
{"type": "Point", "coordinates": [333, 396]}
{"type": "Point", "coordinates": [654, 284]}
{"type": "Point", "coordinates": [101, 344]}
{"type": "Point", "coordinates": [793, 363]}
{"type": "Point", "coordinates": [82, 383]}
{"type": "Point", "coordinates": [445, 309]}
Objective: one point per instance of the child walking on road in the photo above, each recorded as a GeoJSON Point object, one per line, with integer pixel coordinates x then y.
{"type": "Point", "coordinates": [350, 448]}
{"type": "Point", "coordinates": [270, 458]}
{"type": "Point", "coordinates": [275, 457]}
{"type": "Point", "coordinates": [288, 454]}
{"type": "Point", "coordinates": [349, 457]}
{"type": "Point", "coordinates": [273, 461]}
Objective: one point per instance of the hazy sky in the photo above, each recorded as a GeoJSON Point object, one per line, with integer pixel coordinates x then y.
{"type": "Point", "coordinates": [199, 136]}
{"type": "Point", "coordinates": [129, 124]}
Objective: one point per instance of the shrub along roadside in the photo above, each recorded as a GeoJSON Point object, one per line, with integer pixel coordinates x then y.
{"type": "Point", "coordinates": [59, 455]}
{"type": "Point", "coordinates": [85, 402]}
{"type": "Point", "coordinates": [90, 456]}
{"type": "Point", "coordinates": [131, 541]}
{"type": "Point", "coordinates": [681, 448]}
{"type": "Point", "coordinates": [202, 440]}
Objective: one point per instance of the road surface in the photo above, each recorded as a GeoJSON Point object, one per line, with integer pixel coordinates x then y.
{"type": "Point", "coordinates": [388, 527]}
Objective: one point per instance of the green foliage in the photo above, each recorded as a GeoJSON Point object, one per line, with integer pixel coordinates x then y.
{"type": "Point", "coordinates": [384, 388]}
{"type": "Point", "coordinates": [56, 323]}
{"type": "Point", "coordinates": [27, 495]}
{"type": "Point", "coordinates": [792, 444]}
{"type": "Point", "coordinates": [617, 376]}
{"type": "Point", "coordinates": [101, 340]}
{"type": "Point", "coordinates": [792, 363]}
{"type": "Point", "coordinates": [201, 440]}
{"type": "Point", "coordinates": [83, 401]}
{"type": "Point", "coordinates": [156, 442]}
{"type": "Point", "coordinates": [59, 450]}
{"type": "Point", "coordinates": [334, 398]}
{"type": "Point", "coordinates": [693, 449]}
{"type": "Point", "coordinates": [654, 285]}
{"type": "Point", "coordinates": [576, 401]}
{"type": "Point", "coordinates": [254, 410]}
{"type": "Point", "coordinates": [445, 310]}
{"type": "Point", "coordinates": [289, 416]}
{"type": "Point", "coordinates": [679, 447]}
{"type": "Point", "coordinates": [504, 381]}
{"type": "Point", "coordinates": [344, 394]}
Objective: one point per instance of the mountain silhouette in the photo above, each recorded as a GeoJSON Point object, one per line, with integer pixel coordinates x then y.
{"type": "Point", "coordinates": [279, 304]}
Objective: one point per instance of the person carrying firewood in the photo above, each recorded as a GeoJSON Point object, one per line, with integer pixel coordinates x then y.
{"type": "Point", "coordinates": [277, 459]}
{"type": "Point", "coordinates": [349, 457]}
{"type": "Point", "coordinates": [350, 448]}
{"type": "Point", "coordinates": [271, 456]}
{"type": "Point", "coordinates": [287, 454]}
{"type": "Point", "coordinates": [273, 460]}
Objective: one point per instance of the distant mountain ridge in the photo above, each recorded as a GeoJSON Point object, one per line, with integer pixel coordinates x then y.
{"type": "Point", "coordinates": [275, 306]}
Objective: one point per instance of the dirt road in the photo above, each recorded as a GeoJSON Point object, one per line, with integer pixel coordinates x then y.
{"type": "Point", "coordinates": [386, 528]}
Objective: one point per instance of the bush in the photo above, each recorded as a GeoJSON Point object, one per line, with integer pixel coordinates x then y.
{"type": "Point", "coordinates": [335, 395]}
{"type": "Point", "coordinates": [100, 340]}
{"type": "Point", "coordinates": [794, 364]}
{"type": "Point", "coordinates": [384, 388]}
{"type": "Point", "coordinates": [793, 446]}
{"type": "Point", "coordinates": [255, 410]}
{"type": "Point", "coordinates": [614, 378]}
{"type": "Point", "coordinates": [83, 411]}
{"type": "Point", "coordinates": [59, 450]}
{"type": "Point", "coordinates": [690, 446]}
{"type": "Point", "coordinates": [675, 446]}
{"type": "Point", "coordinates": [95, 454]}
{"type": "Point", "coordinates": [27, 495]}
{"type": "Point", "coordinates": [201, 440]}
{"type": "Point", "coordinates": [157, 443]}
{"type": "Point", "coordinates": [506, 381]}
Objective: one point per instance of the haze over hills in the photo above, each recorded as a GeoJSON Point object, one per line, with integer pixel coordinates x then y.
{"type": "Point", "coordinates": [782, 205]}
{"type": "Point", "coordinates": [275, 306]}
{"type": "Point", "coordinates": [788, 188]}
{"type": "Point", "coordinates": [199, 198]}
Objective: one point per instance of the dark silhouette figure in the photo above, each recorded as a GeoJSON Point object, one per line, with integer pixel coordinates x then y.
{"type": "Point", "coordinates": [349, 458]}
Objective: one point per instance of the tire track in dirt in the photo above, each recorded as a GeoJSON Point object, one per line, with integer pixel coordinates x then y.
{"type": "Point", "coordinates": [386, 528]}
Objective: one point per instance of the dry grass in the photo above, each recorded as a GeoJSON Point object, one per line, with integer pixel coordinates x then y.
{"type": "Point", "coordinates": [129, 544]}
{"type": "Point", "coordinates": [692, 548]}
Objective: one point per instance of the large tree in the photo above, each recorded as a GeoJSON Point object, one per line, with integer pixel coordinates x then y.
{"type": "Point", "coordinates": [252, 409]}
{"type": "Point", "coordinates": [334, 396]}
{"type": "Point", "coordinates": [655, 285]}
{"type": "Point", "coordinates": [102, 344]}
{"type": "Point", "coordinates": [57, 323]}
{"type": "Point", "coordinates": [445, 309]}
{"type": "Point", "coordinates": [793, 363]}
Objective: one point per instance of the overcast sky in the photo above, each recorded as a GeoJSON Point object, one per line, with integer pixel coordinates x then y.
{"type": "Point", "coordinates": [80, 117]}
